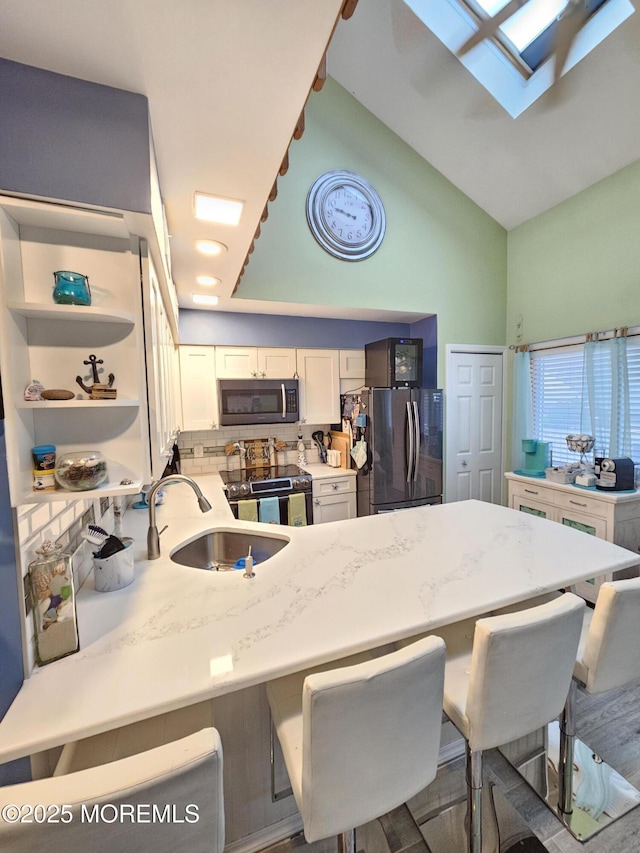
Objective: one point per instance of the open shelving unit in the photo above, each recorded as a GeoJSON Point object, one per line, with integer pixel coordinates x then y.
{"type": "Point", "coordinates": [51, 343]}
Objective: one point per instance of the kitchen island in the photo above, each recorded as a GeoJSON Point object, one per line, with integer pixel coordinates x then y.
{"type": "Point", "coordinates": [179, 635]}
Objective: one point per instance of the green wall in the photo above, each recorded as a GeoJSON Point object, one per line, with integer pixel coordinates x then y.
{"type": "Point", "coordinates": [576, 268]}
{"type": "Point", "coordinates": [441, 254]}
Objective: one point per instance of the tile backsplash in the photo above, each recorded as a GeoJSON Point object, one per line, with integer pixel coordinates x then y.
{"type": "Point", "coordinates": [203, 452]}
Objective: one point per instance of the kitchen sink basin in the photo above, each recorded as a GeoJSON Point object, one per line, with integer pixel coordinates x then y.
{"type": "Point", "coordinates": [220, 550]}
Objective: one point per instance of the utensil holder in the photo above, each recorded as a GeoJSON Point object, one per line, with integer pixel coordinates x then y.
{"type": "Point", "coordinates": [114, 572]}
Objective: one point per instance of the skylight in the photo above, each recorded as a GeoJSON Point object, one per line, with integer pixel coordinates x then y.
{"type": "Point", "coordinates": [516, 65]}
{"type": "Point", "coordinates": [527, 23]}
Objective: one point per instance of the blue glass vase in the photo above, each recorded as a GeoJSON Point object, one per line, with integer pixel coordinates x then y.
{"type": "Point", "coordinates": [71, 288]}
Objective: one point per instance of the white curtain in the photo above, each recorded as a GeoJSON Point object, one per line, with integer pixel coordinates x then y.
{"type": "Point", "coordinates": [522, 412]}
{"type": "Point", "coordinates": [606, 408]}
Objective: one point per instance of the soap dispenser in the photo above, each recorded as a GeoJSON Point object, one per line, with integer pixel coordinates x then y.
{"type": "Point", "coordinates": [302, 456]}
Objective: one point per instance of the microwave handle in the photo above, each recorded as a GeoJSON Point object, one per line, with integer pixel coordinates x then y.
{"type": "Point", "coordinates": [284, 402]}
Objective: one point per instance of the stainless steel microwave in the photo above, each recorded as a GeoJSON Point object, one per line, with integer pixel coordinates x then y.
{"type": "Point", "coordinates": [258, 401]}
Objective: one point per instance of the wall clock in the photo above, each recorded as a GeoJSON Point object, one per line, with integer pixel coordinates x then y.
{"type": "Point", "coordinates": [346, 215]}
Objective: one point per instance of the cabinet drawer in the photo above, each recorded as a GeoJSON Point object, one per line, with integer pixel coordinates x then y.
{"type": "Point", "coordinates": [581, 502]}
{"type": "Point", "coordinates": [529, 491]}
{"type": "Point", "coordinates": [321, 487]}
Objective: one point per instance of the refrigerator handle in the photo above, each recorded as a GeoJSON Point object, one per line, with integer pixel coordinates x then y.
{"type": "Point", "coordinates": [416, 452]}
{"type": "Point", "coordinates": [410, 457]}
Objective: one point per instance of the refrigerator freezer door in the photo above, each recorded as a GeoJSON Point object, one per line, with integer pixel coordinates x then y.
{"type": "Point", "coordinates": [427, 482]}
{"type": "Point", "coordinates": [392, 444]}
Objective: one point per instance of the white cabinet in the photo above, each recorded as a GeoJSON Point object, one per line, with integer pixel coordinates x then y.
{"type": "Point", "coordinates": [607, 515]}
{"type": "Point", "coordinates": [256, 362]}
{"type": "Point", "coordinates": [352, 364]}
{"type": "Point", "coordinates": [334, 498]}
{"type": "Point", "coordinates": [52, 343]}
{"type": "Point", "coordinates": [319, 372]}
{"type": "Point", "coordinates": [199, 391]}
{"type": "Point", "coordinates": [163, 370]}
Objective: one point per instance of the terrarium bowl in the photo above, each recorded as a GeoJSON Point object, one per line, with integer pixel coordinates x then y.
{"type": "Point", "coordinates": [81, 470]}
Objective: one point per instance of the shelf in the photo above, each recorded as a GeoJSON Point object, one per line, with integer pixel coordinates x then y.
{"type": "Point", "coordinates": [76, 313]}
{"type": "Point", "coordinates": [77, 404]}
{"type": "Point", "coordinates": [106, 490]}
{"type": "Point", "coordinates": [63, 217]}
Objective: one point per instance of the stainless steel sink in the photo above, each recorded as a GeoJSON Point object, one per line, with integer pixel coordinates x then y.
{"type": "Point", "coordinates": [219, 551]}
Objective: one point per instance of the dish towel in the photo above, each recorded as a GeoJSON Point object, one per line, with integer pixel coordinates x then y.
{"type": "Point", "coordinates": [270, 510]}
{"type": "Point", "coordinates": [248, 510]}
{"type": "Point", "coordinates": [297, 510]}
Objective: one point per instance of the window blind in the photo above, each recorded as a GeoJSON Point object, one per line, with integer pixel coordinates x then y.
{"type": "Point", "coordinates": [560, 398]}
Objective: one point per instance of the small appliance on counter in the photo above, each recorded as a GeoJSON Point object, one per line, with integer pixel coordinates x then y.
{"type": "Point", "coordinates": [615, 475]}
{"type": "Point", "coordinates": [537, 458]}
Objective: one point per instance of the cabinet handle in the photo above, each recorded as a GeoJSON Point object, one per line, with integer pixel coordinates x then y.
{"type": "Point", "coordinates": [576, 503]}
{"type": "Point", "coordinates": [531, 491]}
{"type": "Point", "coordinates": [317, 501]}
{"type": "Point", "coordinates": [334, 486]}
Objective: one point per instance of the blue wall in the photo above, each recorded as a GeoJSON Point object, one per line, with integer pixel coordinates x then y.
{"type": "Point", "coordinates": [69, 139]}
{"type": "Point", "coordinates": [10, 609]}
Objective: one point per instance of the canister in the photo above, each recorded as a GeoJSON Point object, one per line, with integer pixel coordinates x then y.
{"type": "Point", "coordinates": [44, 457]}
{"type": "Point", "coordinates": [54, 603]}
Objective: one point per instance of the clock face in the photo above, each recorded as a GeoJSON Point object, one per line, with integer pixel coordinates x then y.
{"type": "Point", "coordinates": [345, 215]}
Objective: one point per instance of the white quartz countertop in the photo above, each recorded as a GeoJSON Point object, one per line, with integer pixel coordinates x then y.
{"type": "Point", "coordinates": [179, 635]}
{"type": "Point", "coordinates": [320, 470]}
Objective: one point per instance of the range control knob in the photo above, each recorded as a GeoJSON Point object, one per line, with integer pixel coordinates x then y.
{"type": "Point", "coordinates": [301, 483]}
{"type": "Point", "coordinates": [245, 489]}
{"type": "Point", "coordinates": [233, 491]}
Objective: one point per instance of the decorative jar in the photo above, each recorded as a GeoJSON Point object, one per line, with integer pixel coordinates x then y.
{"type": "Point", "coordinates": [71, 288]}
{"type": "Point", "coordinates": [54, 603]}
{"type": "Point", "coordinates": [81, 470]}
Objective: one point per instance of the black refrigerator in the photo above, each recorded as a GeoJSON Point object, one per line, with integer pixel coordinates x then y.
{"type": "Point", "coordinates": [403, 432]}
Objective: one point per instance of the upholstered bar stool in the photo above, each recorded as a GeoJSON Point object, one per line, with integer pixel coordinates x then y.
{"type": "Point", "coordinates": [360, 740]}
{"type": "Point", "coordinates": [109, 808]}
{"type": "Point", "coordinates": [607, 658]}
{"type": "Point", "coordinates": [505, 677]}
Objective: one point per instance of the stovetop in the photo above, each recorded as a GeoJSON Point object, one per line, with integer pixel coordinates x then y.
{"type": "Point", "coordinates": [250, 475]}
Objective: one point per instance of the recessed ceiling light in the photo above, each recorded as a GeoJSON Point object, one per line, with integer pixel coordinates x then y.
{"type": "Point", "coordinates": [211, 247]}
{"type": "Point", "coordinates": [207, 280]}
{"type": "Point", "coordinates": [214, 208]}
{"type": "Point", "coordinates": [204, 299]}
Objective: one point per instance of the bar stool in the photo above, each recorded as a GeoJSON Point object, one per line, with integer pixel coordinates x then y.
{"type": "Point", "coordinates": [110, 807]}
{"type": "Point", "coordinates": [360, 740]}
{"type": "Point", "coordinates": [508, 678]}
{"type": "Point", "coordinates": [607, 658]}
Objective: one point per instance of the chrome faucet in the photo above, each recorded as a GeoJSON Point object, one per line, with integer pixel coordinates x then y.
{"type": "Point", "coordinates": [153, 537]}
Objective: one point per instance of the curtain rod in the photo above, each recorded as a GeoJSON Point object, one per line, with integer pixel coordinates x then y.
{"type": "Point", "coordinates": [588, 336]}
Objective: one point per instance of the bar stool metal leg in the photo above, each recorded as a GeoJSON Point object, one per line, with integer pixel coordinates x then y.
{"type": "Point", "coordinates": [566, 752]}
{"type": "Point", "coordinates": [474, 799]}
{"type": "Point", "coordinates": [347, 841]}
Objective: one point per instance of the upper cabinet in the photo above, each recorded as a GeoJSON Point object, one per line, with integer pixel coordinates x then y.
{"type": "Point", "coordinates": [255, 362]}
{"type": "Point", "coordinates": [319, 372]}
{"type": "Point", "coordinates": [351, 363]}
{"type": "Point", "coordinates": [55, 343]}
{"type": "Point", "coordinates": [198, 384]}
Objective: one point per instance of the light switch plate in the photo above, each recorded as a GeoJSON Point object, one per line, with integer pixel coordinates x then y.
{"type": "Point", "coordinates": [198, 451]}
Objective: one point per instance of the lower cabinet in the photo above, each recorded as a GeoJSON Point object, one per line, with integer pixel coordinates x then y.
{"type": "Point", "coordinates": [607, 515]}
{"type": "Point", "coordinates": [334, 498]}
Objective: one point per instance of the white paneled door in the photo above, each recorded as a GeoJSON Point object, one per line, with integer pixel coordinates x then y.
{"type": "Point", "coordinates": [474, 424]}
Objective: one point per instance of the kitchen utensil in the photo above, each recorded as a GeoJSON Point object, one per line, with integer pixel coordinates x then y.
{"type": "Point", "coordinates": [94, 534]}
{"type": "Point", "coordinates": [318, 437]}
{"type": "Point", "coordinates": [111, 546]}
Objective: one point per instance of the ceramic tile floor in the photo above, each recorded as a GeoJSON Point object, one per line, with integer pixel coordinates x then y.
{"type": "Point", "coordinates": [609, 723]}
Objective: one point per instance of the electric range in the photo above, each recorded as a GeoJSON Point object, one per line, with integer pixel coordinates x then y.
{"type": "Point", "coordinates": [256, 483]}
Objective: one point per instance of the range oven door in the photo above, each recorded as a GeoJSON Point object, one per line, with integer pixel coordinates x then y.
{"type": "Point", "coordinates": [258, 401]}
{"type": "Point", "coordinates": [283, 501]}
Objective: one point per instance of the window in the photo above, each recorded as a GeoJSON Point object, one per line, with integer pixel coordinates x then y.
{"type": "Point", "coordinates": [512, 68]}
{"type": "Point", "coordinates": [561, 398]}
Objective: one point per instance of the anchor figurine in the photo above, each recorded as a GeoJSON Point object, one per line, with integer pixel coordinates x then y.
{"type": "Point", "coordinates": [99, 390]}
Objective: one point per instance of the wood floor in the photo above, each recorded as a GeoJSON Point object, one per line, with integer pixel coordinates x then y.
{"type": "Point", "coordinates": [610, 724]}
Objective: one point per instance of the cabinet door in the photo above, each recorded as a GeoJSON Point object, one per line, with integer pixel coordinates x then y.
{"type": "Point", "coordinates": [276, 363]}
{"type": "Point", "coordinates": [533, 507]}
{"type": "Point", "coordinates": [199, 392]}
{"type": "Point", "coordinates": [335, 508]}
{"type": "Point", "coordinates": [236, 362]}
{"type": "Point", "coordinates": [351, 364]}
{"type": "Point", "coordinates": [319, 372]}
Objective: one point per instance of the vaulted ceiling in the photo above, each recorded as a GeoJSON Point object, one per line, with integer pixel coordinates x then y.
{"type": "Point", "coordinates": [227, 79]}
